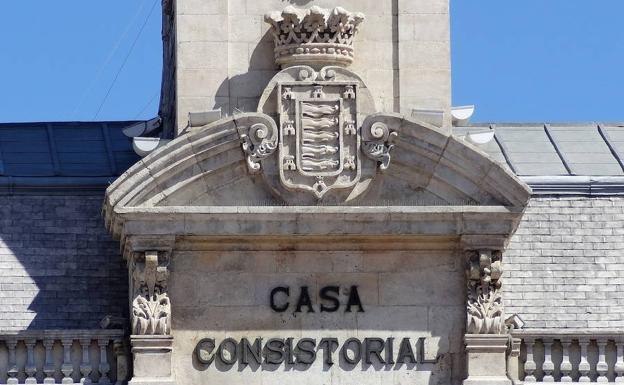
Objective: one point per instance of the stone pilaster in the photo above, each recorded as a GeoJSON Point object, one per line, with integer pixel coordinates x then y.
{"type": "Point", "coordinates": [151, 318]}
{"type": "Point", "coordinates": [486, 336]}
{"type": "Point", "coordinates": [484, 301]}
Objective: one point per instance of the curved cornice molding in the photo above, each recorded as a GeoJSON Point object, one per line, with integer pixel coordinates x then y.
{"type": "Point", "coordinates": [178, 189]}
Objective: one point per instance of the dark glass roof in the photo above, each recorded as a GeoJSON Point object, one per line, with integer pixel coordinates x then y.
{"type": "Point", "coordinates": [87, 154]}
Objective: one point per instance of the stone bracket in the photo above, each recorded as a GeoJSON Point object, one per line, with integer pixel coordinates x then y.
{"type": "Point", "coordinates": [150, 306]}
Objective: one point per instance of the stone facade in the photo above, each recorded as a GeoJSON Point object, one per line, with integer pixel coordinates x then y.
{"type": "Point", "coordinates": [563, 267]}
{"type": "Point", "coordinates": [319, 232]}
{"type": "Point", "coordinates": [59, 269]}
{"type": "Point", "coordinates": [225, 53]}
{"type": "Point", "coordinates": [223, 294]}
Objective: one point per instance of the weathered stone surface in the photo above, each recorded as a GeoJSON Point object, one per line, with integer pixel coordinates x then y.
{"type": "Point", "coordinates": [379, 48]}
{"type": "Point", "coordinates": [233, 317]}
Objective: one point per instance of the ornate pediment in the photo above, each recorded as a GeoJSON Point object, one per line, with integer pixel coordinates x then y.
{"type": "Point", "coordinates": [317, 139]}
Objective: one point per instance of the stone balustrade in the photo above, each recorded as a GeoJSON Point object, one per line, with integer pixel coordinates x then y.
{"type": "Point", "coordinates": [63, 356]}
{"type": "Point", "coordinates": [567, 355]}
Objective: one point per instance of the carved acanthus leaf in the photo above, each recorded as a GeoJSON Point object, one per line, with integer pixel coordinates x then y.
{"type": "Point", "coordinates": [484, 306]}
{"type": "Point", "coordinates": [151, 308]}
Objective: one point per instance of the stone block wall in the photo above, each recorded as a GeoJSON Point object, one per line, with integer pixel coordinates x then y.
{"type": "Point", "coordinates": [224, 55]}
{"type": "Point", "coordinates": [59, 268]}
{"type": "Point", "coordinates": [222, 294]}
{"type": "Point", "coordinates": [565, 264]}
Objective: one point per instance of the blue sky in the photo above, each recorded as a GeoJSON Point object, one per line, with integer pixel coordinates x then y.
{"type": "Point", "coordinates": [539, 60]}
{"type": "Point", "coordinates": [520, 61]}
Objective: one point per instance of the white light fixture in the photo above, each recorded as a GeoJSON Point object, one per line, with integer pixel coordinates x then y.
{"type": "Point", "coordinates": [461, 115]}
{"type": "Point", "coordinates": [144, 146]}
{"type": "Point", "coordinates": [480, 137]}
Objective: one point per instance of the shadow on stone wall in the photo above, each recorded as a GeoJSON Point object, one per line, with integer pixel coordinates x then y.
{"type": "Point", "coordinates": [59, 268]}
{"type": "Point", "coordinates": [241, 92]}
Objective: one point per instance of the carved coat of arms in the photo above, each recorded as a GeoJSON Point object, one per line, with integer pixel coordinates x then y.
{"type": "Point", "coordinates": [319, 142]}
{"type": "Point", "coordinates": [327, 138]}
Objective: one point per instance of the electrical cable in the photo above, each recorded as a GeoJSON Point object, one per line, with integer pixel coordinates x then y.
{"type": "Point", "coordinates": [110, 88]}
{"type": "Point", "coordinates": [147, 105]}
{"type": "Point", "coordinates": [110, 56]}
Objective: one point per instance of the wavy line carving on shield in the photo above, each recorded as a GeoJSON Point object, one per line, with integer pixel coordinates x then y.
{"type": "Point", "coordinates": [319, 144]}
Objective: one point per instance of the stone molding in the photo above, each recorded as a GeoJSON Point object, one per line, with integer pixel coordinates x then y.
{"type": "Point", "coordinates": [151, 308]}
{"type": "Point", "coordinates": [141, 194]}
{"type": "Point", "coordinates": [486, 358]}
{"type": "Point", "coordinates": [152, 360]}
{"type": "Point", "coordinates": [314, 36]}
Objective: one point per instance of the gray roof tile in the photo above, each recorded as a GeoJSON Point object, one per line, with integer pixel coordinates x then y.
{"type": "Point", "coordinates": [533, 153]}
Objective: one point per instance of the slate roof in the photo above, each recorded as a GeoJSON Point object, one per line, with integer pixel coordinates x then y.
{"type": "Point", "coordinates": [81, 155]}
{"type": "Point", "coordinates": [559, 158]}
{"type": "Point", "coordinates": [585, 159]}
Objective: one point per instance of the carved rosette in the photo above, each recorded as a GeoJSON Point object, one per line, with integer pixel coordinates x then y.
{"type": "Point", "coordinates": [151, 308]}
{"type": "Point", "coordinates": [485, 312]}
{"type": "Point", "coordinates": [377, 139]}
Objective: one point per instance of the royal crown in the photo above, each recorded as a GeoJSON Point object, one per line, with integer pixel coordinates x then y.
{"type": "Point", "coordinates": [314, 36]}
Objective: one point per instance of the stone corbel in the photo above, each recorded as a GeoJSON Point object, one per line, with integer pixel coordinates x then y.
{"type": "Point", "coordinates": [151, 338]}
{"type": "Point", "coordinates": [484, 302]}
{"type": "Point", "coordinates": [151, 308]}
{"type": "Point", "coordinates": [487, 341]}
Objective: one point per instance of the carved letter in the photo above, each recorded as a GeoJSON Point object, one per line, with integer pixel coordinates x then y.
{"type": "Point", "coordinates": [306, 353]}
{"type": "Point", "coordinates": [304, 300]}
{"type": "Point", "coordinates": [279, 289]}
{"type": "Point", "coordinates": [354, 300]}
{"type": "Point", "coordinates": [329, 345]}
{"type": "Point", "coordinates": [325, 295]}
{"type": "Point", "coordinates": [406, 353]}
{"type": "Point", "coordinates": [274, 351]}
{"type": "Point", "coordinates": [248, 349]}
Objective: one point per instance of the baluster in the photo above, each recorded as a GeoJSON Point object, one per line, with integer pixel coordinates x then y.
{"type": "Point", "coordinates": [13, 370]}
{"type": "Point", "coordinates": [584, 364]}
{"type": "Point", "coordinates": [602, 367]}
{"type": "Point", "coordinates": [529, 365]}
{"type": "Point", "coordinates": [85, 365]}
{"type": "Point", "coordinates": [67, 368]}
{"type": "Point", "coordinates": [122, 362]}
{"type": "Point", "coordinates": [48, 367]}
{"type": "Point", "coordinates": [619, 362]}
{"type": "Point", "coordinates": [513, 360]}
{"type": "Point", "coordinates": [104, 365]}
{"type": "Point", "coordinates": [30, 368]}
{"type": "Point", "coordinates": [566, 364]}
{"type": "Point", "coordinates": [548, 367]}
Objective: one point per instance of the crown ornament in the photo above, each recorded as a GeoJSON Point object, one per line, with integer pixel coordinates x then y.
{"type": "Point", "coordinates": [314, 36]}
